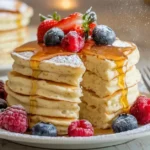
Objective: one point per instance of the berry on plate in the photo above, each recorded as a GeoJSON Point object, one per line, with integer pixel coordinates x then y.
{"type": "Point", "coordinates": [14, 119]}
{"type": "Point", "coordinates": [3, 104]}
{"type": "Point", "coordinates": [124, 122]}
{"type": "Point", "coordinates": [3, 93]}
{"type": "Point", "coordinates": [80, 128]}
{"type": "Point", "coordinates": [44, 129]}
{"type": "Point", "coordinates": [72, 42]}
{"type": "Point", "coordinates": [103, 35]}
{"type": "Point", "coordinates": [46, 24]}
{"type": "Point", "coordinates": [53, 37]}
{"type": "Point", "coordinates": [141, 110]}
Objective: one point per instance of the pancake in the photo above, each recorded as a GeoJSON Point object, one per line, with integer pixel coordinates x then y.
{"type": "Point", "coordinates": [13, 35]}
{"type": "Point", "coordinates": [106, 66]}
{"type": "Point", "coordinates": [103, 88]}
{"type": "Point", "coordinates": [9, 46]}
{"type": "Point", "coordinates": [52, 109]}
{"type": "Point", "coordinates": [65, 69]}
{"type": "Point", "coordinates": [101, 111]}
{"type": "Point", "coordinates": [48, 89]}
{"type": "Point", "coordinates": [14, 14]}
{"type": "Point", "coordinates": [61, 124]}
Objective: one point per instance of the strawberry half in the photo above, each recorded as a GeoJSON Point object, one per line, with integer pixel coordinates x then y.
{"type": "Point", "coordinates": [44, 27]}
{"type": "Point", "coordinates": [69, 23]}
{"type": "Point", "coordinates": [47, 22]}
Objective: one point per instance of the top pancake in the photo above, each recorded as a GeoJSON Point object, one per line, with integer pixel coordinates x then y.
{"type": "Point", "coordinates": [101, 60]}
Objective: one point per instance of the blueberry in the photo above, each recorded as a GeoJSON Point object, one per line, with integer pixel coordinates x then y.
{"type": "Point", "coordinates": [44, 129]}
{"type": "Point", "coordinates": [124, 122]}
{"type": "Point", "coordinates": [103, 35]}
{"type": "Point", "coordinates": [53, 37]}
{"type": "Point", "coordinates": [3, 104]}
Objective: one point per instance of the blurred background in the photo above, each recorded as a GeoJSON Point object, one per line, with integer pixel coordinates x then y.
{"type": "Point", "coordinates": [129, 18]}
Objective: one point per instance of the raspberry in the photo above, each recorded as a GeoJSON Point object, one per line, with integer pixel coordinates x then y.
{"type": "Point", "coordinates": [81, 128]}
{"type": "Point", "coordinates": [72, 42]}
{"type": "Point", "coordinates": [141, 110]}
{"type": "Point", "coordinates": [3, 93]}
{"type": "Point", "coordinates": [14, 119]}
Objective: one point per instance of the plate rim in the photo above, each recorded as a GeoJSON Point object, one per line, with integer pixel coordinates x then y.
{"type": "Point", "coordinates": [128, 135]}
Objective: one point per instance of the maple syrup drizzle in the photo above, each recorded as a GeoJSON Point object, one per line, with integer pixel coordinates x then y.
{"type": "Point", "coordinates": [102, 131]}
{"type": "Point", "coordinates": [121, 84]}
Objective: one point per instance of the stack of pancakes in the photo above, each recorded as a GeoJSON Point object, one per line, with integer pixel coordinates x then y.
{"type": "Point", "coordinates": [109, 83]}
{"type": "Point", "coordinates": [50, 93]}
{"type": "Point", "coordinates": [46, 81]}
{"type": "Point", "coordinates": [14, 17]}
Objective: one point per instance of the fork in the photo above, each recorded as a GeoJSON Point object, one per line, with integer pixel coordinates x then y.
{"type": "Point", "coordinates": [146, 77]}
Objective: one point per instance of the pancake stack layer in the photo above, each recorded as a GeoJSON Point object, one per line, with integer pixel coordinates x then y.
{"type": "Point", "coordinates": [49, 89]}
{"type": "Point", "coordinates": [14, 17]}
{"type": "Point", "coordinates": [109, 83]}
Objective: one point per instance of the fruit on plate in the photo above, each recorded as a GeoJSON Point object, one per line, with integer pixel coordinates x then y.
{"type": "Point", "coordinates": [53, 37]}
{"type": "Point", "coordinates": [80, 128]}
{"type": "Point", "coordinates": [3, 104]}
{"type": "Point", "coordinates": [44, 129]}
{"type": "Point", "coordinates": [3, 93]}
{"type": "Point", "coordinates": [124, 122]}
{"type": "Point", "coordinates": [14, 119]}
{"type": "Point", "coordinates": [141, 110]}
{"type": "Point", "coordinates": [72, 42]}
{"type": "Point", "coordinates": [103, 35]}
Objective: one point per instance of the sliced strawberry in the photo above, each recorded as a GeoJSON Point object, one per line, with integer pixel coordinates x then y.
{"type": "Point", "coordinates": [44, 27]}
{"type": "Point", "coordinates": [67, 24]}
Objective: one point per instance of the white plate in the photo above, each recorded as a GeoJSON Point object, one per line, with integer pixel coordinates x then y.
{"type": "Point", "coordinates": [76, 142]}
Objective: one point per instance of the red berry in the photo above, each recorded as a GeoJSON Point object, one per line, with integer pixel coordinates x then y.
{"type": "Point", "coordinates": [73, 42]}
{"type": "Point", "coordinates": [3, 93]}
{"type": "Point", "coordinates": [44, 27]}
{"type": "Point", "coordinates": [141, 110]}
{"type": "Point", "coordinates": [14, 119]}
{"type": "Point", "coordinates": [80, 128]}
{"type": "Point", "coordinates": [68, 23]}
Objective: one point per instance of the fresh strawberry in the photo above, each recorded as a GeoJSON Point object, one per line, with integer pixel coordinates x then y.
{"type": "Point", "coordinates": [69, 23]}
{"type": "Point", "coordinates": [47, 22]}
{"type": "Point", "coordinates": [44, 27]}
